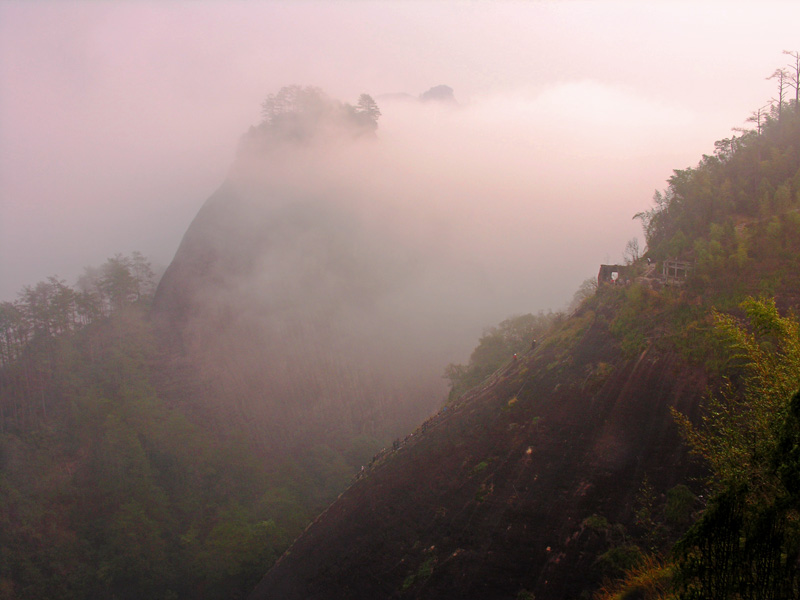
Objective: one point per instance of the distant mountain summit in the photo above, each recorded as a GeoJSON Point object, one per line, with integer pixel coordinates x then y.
{"type": "Point", "coordinates": [492, 497]}
{"type": "Point", "coordinates": [298, 312]}
{"type": "Point", "coordinates": [439, 93]}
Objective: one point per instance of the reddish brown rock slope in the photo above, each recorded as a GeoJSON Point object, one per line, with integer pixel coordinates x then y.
{"type": "Point", "coordinates": [488, 498]}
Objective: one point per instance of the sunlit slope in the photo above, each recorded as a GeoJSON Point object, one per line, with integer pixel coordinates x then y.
{"type": "Point", "coordinates": [550, 475]}
{"type": "Point", "coordinates": [489, 498]}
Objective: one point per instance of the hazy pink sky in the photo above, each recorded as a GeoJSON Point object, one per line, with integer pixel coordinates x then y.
{"type": "Point", "coordinates": [118, 119]}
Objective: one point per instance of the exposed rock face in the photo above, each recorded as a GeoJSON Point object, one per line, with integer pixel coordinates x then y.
{"type": "Point", "coordinates": [310, 300]}
{"type": "Point", "coordinates": [283, 308]}
{"type": "Point", "coordinates": [489, 497]}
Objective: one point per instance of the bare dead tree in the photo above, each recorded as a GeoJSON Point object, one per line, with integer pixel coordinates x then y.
{"type": "Point", "coordinates": [758, 117]}
{"type": "Point", "coordinates": [794, 74]}
{"type": "Point", "coordinates": [632, 251]}
{"type": "Point", "coordinates": [783, 76]}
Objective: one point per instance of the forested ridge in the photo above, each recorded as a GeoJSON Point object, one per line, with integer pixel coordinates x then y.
{"type": "Point", "coordinates": [735, 220]}
{"type": "Point", "coordinates": [110, 491]}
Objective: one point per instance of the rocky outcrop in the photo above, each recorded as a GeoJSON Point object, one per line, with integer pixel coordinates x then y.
{"type": "Point", "coordinates": [489, 498]}
{"type": "Point", "coordinates": [280, 307]}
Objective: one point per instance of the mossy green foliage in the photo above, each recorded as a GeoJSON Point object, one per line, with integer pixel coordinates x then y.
{"type": "Point", "coordinates": [565, 335]}
{"type": "Point", "coordinates": [633, 324]}
{"type": "Point", "coordinates": [741, 424]}
{"type": "Point", "coordinates": [618, 559]}
{"type": "Point", "coordinates": [670, 319]}
{"type": "Point", "coordinates": [484, 491]}
{"type": "Point", "coordinates": [424, 572]}
{"type": "Point", "coordinates": [634, 556]}
{"type": "Point", "coordinates": [596, 523]}
{"type": "Point", "coordinates": [680, 506]}
{"type": "Point", "coordinates": [496, 347]}
{"type": "Point", "coordinates": [480, 467]}
{"type": "Point", "coordinates": [754, 176]}
{"type": "Point", "coordinates": [735, 215]}
{"type": "Point", "coordinates": [747, 542]}
{"type": "Point", "coordinates": [650, 579]}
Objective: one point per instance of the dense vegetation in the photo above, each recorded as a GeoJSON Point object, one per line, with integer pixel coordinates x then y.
{"type": "Point", "coordinates": [496, 347]}
{"type": "Point", "coordinates": [110, 491]}
{"type": "Point", "coordinates": [297, 114]}
{"type": "Point", "coordinates": [735, 219]}
{"type": "Point", "coordinates": [736, 214]}
{"type": "Point", "coordinates": [746, 544]}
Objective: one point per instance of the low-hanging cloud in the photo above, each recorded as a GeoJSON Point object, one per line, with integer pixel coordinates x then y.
{"type": "Point", "coordinates": [330, 266]}
{"type": "Point", "coordinates": [459, 216]}
{"type": "Point", "coordinates": [118, 119]}
{"type": "Point", "coordinates": [511, 199]}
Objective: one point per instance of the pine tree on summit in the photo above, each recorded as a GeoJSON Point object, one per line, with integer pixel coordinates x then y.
{"type": "Point", "coordinates": [307, 114]}
{"type": "Point", "coordinates": [368, 110]}
{"type": "Point", "coordinates": [794, 73]}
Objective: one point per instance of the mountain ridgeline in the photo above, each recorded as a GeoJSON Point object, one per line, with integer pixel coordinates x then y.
{"type": "Point", "coordinates": [567, 466]}
{"type": "Point", "coordinates": [171, 442]}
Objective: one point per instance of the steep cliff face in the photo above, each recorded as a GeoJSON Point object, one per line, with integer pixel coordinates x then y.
{"type": "Point", "coordinates": [312, 300]}
{"type": "Point", "coordinates": [489, 498]}
{"type": "Point", "coordinates": [289, 310]}
{"type": "Point", "coordinates": [285, 310]}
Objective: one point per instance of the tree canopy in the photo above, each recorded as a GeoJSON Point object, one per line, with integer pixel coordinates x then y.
{"type": "Point", "coordinates": [109, 489]}
{"type": "Point", "coordinates": [747, 541]}
{"type": "Point", "coordinates": [302, 114]}
{"type": "Point", "coordinates": [748, 177]}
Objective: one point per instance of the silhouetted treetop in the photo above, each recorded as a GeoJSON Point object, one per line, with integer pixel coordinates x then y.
{"type": "Point", "coordinates": [750, 177]}
{"type": "Point", "coordinates": [439, 93]}
{"type": "Point", "coordinates": [367, 111]}
{"type": "Point", "coordinates": [294, 102]}
{"type": "Point", "coordinates": [302, 114]}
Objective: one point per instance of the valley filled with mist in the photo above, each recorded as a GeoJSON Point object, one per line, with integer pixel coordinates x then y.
{"type": "Point", "coordinates": [394, 340]}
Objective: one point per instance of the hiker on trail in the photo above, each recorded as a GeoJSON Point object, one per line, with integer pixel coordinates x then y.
{"type": "Point", "coordinates": [515, 356]}
{"type": "Point", "coordinates": [533, 345]}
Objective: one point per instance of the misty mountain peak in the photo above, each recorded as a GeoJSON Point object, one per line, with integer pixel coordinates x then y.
{"type": "Point", "coordinates": [439, 93]}
{"type": "Point", "coordinates": [306, 114]}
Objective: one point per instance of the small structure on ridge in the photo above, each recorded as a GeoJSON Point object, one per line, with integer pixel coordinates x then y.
{"type": "Point", "coordinates": [612, 275]}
